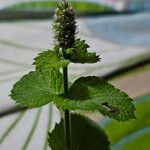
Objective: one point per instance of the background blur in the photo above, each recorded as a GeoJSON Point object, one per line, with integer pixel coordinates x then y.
{"type": "Point", "coordinates": [118, 30]}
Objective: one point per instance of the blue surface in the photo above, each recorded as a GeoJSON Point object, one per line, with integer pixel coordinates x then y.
{"type": "Point", "coordinates": [141, 5]}
{"type": "Point", "coordinates": [128, 30]}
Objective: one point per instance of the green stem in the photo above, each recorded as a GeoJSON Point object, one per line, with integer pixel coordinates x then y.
{"type": "Point", "coordinates": [67, 130]}
{"type": "Point", "coordinates": [67, 124]}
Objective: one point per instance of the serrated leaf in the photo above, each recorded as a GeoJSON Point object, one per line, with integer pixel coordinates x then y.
{"type": "Point", "coordinates": [128, 128]}
{"type": "Point", "coordinates": [85, 135]}
{"type": "Point", "coordinates": [38, 88]}
{"type": "Point", "coordinates": [79, 53]}
{"type": "Point", "coordinates": [93, 93]}
{"type": "Point", "coordinates": [47, 59]}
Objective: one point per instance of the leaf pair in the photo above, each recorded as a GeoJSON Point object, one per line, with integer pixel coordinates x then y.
{"type": "Point", "coordinates": [86, 93]}
{"type": "Point", "coordinates": [79, 53]}
{"type": "Point", "coordinates": [85, 135]}
{"type": "Point", "coordinates": [45, 85]}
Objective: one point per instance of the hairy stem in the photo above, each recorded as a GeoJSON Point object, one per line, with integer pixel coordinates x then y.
{"type": "Point", "coordinates": [67, 123]}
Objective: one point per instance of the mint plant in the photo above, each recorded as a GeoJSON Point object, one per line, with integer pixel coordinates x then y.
{"type": "Point", "coordinates": [49, 84]}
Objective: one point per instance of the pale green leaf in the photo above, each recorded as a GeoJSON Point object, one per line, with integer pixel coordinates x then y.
{"type": "Point", "coordinates": [38, 88]}
{"type": "Point", "coordinates": [85, 135]}
{"type": "Point", "coordinates": [93, 93]}
{"type": "Point", "coordinates": [48, 59]}
{"type": "Point", "coordinates": [79, 53]}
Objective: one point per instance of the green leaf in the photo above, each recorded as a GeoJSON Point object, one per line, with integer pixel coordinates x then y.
{"type": "Point", "coordinates": [124, 129]}
{"type": "Point", "coordinates": [48, 59]}
{"type": "Point", "coordinates": [93, 93]}
{"type": "Point", "coordinates": [38, 88]}
{"type": "Point", "coordinates": [79, 53]}
{"type": "Point", "coordinates": [85, 135]}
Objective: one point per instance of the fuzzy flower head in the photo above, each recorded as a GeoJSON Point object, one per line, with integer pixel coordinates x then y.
{"type": "Point", "coordinates": [64, 25]}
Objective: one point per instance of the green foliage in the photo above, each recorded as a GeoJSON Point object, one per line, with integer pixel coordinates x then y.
{"type": "Point", "coordinates": [115, 103]}
{"type": "Point", "coordinates": [86, 93]}
{"type": "Point", "coordinates": [37, 88]}
{"type": "Point", "coordinates": [93, 93]}
{"type": "Point", "coordinates": [128, 128]}
{"type": "Point", "coordinates": [47, 84]}
{"type": "Point", "coordinates": [85, 135]}
{"type": "Point", "coordinates": [47, 59]}
{"type": "Point", "coordinates": [79, 53]}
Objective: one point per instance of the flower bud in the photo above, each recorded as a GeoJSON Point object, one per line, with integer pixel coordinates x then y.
{"type": "Point", "coordinates": [64, 25]}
